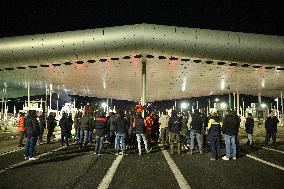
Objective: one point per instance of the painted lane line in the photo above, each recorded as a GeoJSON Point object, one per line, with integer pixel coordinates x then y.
{"type": "Point", "coordinates": [12, 151]}
{"type": "Point", "coordinates": [266, 162]}
{"type": "Point", "coordinates": [110, 173]}
{"type": "Point", "coordinates": [26, 161]}
{"type": "Point", "coordinates": [273, 150]}
{"type": "Point", "coordinates": [179, 177]}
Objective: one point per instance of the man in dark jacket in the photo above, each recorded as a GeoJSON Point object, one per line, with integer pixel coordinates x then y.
{"type": "Point", "coordinates": [195, 132]}
{"type": "Point", "coordinates": [64, 125]}
{"type": "Point", "coordinates": [139, 130]}
{"type": "Point", "coordinates": [51, 124]}
{"type": "Point", "coordinates": [230, 130]}
{"type": "Point", "coordinates": [101, 128]}
{"type": "Point", "coordinates": [249, 128]}
{"type": "Point", "coordinates": [121, 127]}
{"type": "Point", "coordinates": [271, 128]}
{"type": "Point", "coordinates": [174, 129]}
{"type": "Point", "coordinates": [86, 124]}
{"type": "Point", "coordinates": [32, 131]}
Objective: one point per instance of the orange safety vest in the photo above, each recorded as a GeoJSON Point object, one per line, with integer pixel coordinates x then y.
{"type": "Point", "coordinates": [21, 124]}
{"type": "Point", "coordinates": [139, 108]}
{"type": "Point", "coordinates": [148, 123]}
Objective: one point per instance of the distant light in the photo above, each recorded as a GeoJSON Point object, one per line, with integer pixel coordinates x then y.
{"type": "Point", "coordinates": [104, 105]}
{"type": "Point", "coordinates": [223, 105]}
{"type": "Point", "coordinates": [263, 83]}
{"type": "Point", "coordinates": [263, 105]}
{"type": "Point", "coordinates": [183, 85]}
{"type": "Point", "coordinates": [183, 105]}
{"type": "Point", "coordinates": [216, 99]}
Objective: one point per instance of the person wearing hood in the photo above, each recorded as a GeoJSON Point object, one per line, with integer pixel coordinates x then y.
{"type": "Point", "coordinates": [121, 127]}
{"type": "Point", "coordinates": [32, 131]}
{"type": "Point", "coordinates": [64, 126]}
{"type": "Point", "coordinates": [196, 127]}
{"type": "Point", "coordinates": [249, 128]}
{"type": "Point", "coordinates": [214, 133]}
{"type": "Point", "coordinates": [174, 129]}
{"type": "Point", "coordinates": [230, 130]}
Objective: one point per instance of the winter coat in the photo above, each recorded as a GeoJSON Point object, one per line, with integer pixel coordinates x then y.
{"type": "Point", "coordinates": [112, 122]}
{"type": "Point", "coordinates": [249, 125]}
{"type": "Point", "coordinates": [121, 125]}
{"type": "Point", "coordinates": [63, 123]}
{"type": "Point", "coordinates": [164, 121]}
{"type": "Point", "coordinates": [230, 125]}
{"type": "Point", "coordinates": [51, 122]}
{"type": "Point", "coordinates": [42, 123]}
{"type": "Point", "coordinates": [77, 121]}
{"type": "Point", "coordinates": [189, 122]}
{"type": "Point", "coordinates": [21, 124]}
{"type": "Point", "coordinates": [139, 127]}
{"type": "Point", "coordinates": [196, 123]}
{"type": "Point", "coordinates": [86, 122]}
{"type": "Point", "coordinates": [101, 126]}
{"type": "Point", "coordinates": [271, 124]}
{"type": "Point", "coordinates": [175, 124]}
{"type": "Point", "coordinates": [31, 127]}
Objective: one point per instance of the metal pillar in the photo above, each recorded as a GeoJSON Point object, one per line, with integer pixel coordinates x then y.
{"type": "Point", "coordinates": [230, 101]}
{"type": "Point", "coordinates": [50, 95]}
{"type": "Point", "coordinates": [238, 103]}
{"type": "Point", "coordinates": [29, 95]}
{"type": "Point", "coordinates": [282, 108]}
{"type": "Point", "coordinates": [197, 105]}
{"type": "Point", "coordinates": [143, 100]}
{"type": "Point", "coordinates": [234, 96]}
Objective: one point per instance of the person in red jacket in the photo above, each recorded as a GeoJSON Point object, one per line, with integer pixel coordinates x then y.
{"type": "Point", "coordinates": [21, 128]}
{"type": "Point", "coordinates": [139, 107]}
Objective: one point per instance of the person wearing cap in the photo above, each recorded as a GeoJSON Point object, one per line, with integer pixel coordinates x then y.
{"type": "Point", "coordinates": [249, 128]}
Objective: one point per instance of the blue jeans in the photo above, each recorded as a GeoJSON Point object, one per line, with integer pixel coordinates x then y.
{"type": "Point", "coordinates": [120, 141]}
{"type": "Point", "coordinates": [90, 136]}
{"type": "Point", "coordinates": [99, 144]}
{"type": "Point", "coordinates": [84, 137]}
{"type": "Point", "coordinates": [194, 134]}
{"type": "Point", "coordinates": [139, 136]}
{"type": "Point", "coordinates": [230, 143]}
{"type": "Point", "coordinates": [29, 148]}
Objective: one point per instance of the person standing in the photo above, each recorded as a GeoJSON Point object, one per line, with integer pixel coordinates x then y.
{"type": "Point", "coordinates": [77, 122]}
{"type": "Point", "coordinates": [85, 127]}
{"type": "Point", "coordinates": [174, 129]}
{"type": "Point", "coordinates": [271, 128]}
{"type": "Point", "coordinates": [121, 127]}
{"type": "Point", "coordinates": [42, 126]}
{"type": "Point", "coordinates": [101, 129]}
{"type": "Point", "coordinates": [21, 129]}
{"type": "Point", "coordinates": [139, 130]}
{"type": "Point", "coordinates": [164, 125]}
{"type": "Point", "coordinates": [184, 131]}
{"type": "Point", "coordinates": [51, 124]}
{"type": "Point", "coordinates": [195, 132]}
{"type": "Point", "coordinates": [214, 133]}
{"type": "Point", "coordinates": [230, 131]}
{"type": "Point", "coordinates": [249, 128]}
{"type": "Point", "coordinates": [31, 133]}
{"type": "Point", "coordinates": [64, 125]}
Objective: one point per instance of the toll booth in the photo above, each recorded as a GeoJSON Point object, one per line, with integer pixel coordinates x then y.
{"type": "Point", "coordinates": [259, 112]}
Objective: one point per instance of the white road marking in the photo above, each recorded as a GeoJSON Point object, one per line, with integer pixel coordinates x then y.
{"type": "Point", "coordinates": [26, 161]}
{"type": "Point", "coordinates": [179, 177]}
{"type": "Point", "coordinates": [110, 173]}
{"type": "Point", "coordinates": [265, 162]}
{"type": "Point", "coordinates": [9, 152]}
{"type": "Point", "coordinates": [273, 150]}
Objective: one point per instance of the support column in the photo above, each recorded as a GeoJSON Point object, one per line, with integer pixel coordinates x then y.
{"type": "Point", "coordinates": [230, 101]}
{"type": "Point", "coordinates": [282, 108]}
{"type": "Point", "coordinates": [143, 100]}
{"type": "Point", "coordinates": [28, 95]}
{"type": "Point", "coordinates": [50, 95]}
{"type": "Point", "coordinates": [238, 103]}
{"type": "Point", "coordinates": [234, 104]}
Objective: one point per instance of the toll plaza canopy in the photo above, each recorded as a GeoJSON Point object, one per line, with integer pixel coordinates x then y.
{"type": "Point", "coordinates": [107, 62]}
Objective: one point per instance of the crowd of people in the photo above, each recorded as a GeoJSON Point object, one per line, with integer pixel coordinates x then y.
{"type": "Point", "coordinates": [123, 131]}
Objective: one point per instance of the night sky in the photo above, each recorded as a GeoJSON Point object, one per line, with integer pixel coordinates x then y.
{"type": "Point", "coordinates": [32, 17]}
{"type": "Point", "coordinates": [40, 16]}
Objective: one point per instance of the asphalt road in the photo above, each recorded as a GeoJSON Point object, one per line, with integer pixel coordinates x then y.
{"type": "Point", "coordinates": [70, 167]}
